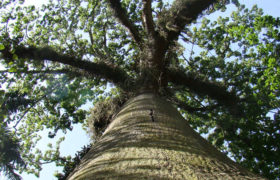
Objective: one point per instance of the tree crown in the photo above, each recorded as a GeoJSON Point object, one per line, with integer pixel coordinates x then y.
{"type": "Point", "coordinates": [222, 74]}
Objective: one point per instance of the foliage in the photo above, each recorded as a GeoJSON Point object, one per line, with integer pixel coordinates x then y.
{"type": "Point", "coordinates": [242, 53]}
{"type": "Point", "coordinates": [9, 154]}
{"type": "Point", "coordinates": [222, 74]}
{"type": "Point", "coordinates": [103, 113]}
{"type": "Point", "coordinates": [70, 164]}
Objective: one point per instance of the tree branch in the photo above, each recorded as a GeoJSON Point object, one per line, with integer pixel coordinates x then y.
{"type": "Point", "coordinates": [58, 71]}
{"type": "Point", "coordinates": [202, 88]}
{"type": "Point", "coordinates": [147, 18]}
{"type": "Point", "coordinates": [181, 13]}
{"type": "Point", "coordinates": [157, 45]}
{"type": "Point", "coordinates": [191, 109]}
{"type": "Point", "coordinates": [73, 72]}
{"type": "Point", "coordinates": [96, 52]}
{"type": "Point", "coordinates": [121, 14]}
{"type": "Point", "coordinates": [28, 109]}
{"type": "Point", "coordinates": [112, 74]}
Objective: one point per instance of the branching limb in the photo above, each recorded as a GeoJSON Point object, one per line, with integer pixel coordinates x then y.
{"type": "Point", "coordinates": [112, 74]}
{"type": "Point", "coordinates": [121, 14]}
{"type": "Point", "coordinates": [206, 88]}
{"type": "Point", "coordinates": [147, 18]}
{"type": "Point", "coordinates": [170, 24]}
{"type": "Point", "coordinates": [34, 103]}
{"type": "Point", "coordinates": [181, 13]}
{"type": "Point", "coordinates": [192, 109]}
{"type": "Point", "coordinates": [58, 71]}
{"type": "Point", "coordinates": [157, 44]}
{"type": "Point", "coordinates": [99, 54]}
{"type": "Point", "coordinates": [73, 72]}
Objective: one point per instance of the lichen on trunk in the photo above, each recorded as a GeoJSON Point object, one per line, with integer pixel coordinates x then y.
{"type": "Point", "coordinates": [149, 139]}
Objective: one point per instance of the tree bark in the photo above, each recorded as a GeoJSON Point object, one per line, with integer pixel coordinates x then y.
{"type": "Point", "coordinates": [149, 139]}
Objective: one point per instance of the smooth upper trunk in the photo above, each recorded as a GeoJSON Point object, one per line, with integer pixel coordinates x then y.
{"type": "Point", "coordinates": [149, 139]}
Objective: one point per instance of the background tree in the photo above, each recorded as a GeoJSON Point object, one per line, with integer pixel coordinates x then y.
{"type": "Point", "coordinates": [9, 154]}
{"type": "Point", "coordinates": [222, 74]}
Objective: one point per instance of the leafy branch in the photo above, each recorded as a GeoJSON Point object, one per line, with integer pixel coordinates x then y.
{"type": "Point", "coordinates": [112, 74]}
{"type": "Point", "coordinates": [203, 87]}
{"type": "Point", "coordinates": [121, 14]}
{"type": "Point", "coordinates": [181, 13]}
{"type": "Point", "coordinates": [48, 71]}
{"type": "Point", "coordinates": [191, 109]}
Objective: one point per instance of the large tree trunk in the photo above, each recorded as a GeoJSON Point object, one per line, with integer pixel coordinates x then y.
{"type": "Point", "coordinates": [149, 139]}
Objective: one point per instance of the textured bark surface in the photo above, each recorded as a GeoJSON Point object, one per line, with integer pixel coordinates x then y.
{"type": "Point", "coordinates": [157, 144]}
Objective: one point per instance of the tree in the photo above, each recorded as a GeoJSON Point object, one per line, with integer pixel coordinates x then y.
{"type": "Point", "coordinates": [67, 53]}
{"type": "Point", "coordinates": [9, 154]}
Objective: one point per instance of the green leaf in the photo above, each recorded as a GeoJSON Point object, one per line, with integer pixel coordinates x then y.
{"type": "Point", "coordinates": [2, 47]}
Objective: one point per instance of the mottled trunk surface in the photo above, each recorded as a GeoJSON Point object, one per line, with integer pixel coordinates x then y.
{"type": "Point", "coordinates": [149, 139]}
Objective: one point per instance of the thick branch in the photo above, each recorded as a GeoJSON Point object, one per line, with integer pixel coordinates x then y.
{"type": "Point", "coordinates": [59, 71]}
{"type": "Point", "coordinates": [170, 24]}
{"type": "Point", "coordinates": [157, 45]}
{"type": "Point", "coordinates": [202, 87]}
{"type": "Point", "coordinates": [121, 14]}
{"type": "Point", "coordinates": [113, 74]}
{"type": "Point", "coordinates": [73, 72]}
{"type": "Point", "coordinates": [147, 18]}
{"type": "Point", "coordinates": [181, 13]}
{"type": "Point", "coordinates": [192, 109]}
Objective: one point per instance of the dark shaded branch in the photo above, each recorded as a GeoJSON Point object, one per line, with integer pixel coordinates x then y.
{"type": "Point", "coordinates": [95, 51]}
{"type": "Point", "coordinates": [170, 24]}
{"type": "Point", "coordinates": [33, 104]}
{"type": "Point", "coordinates": [73, 72]}
{"type": "Point", "coordinates": [181, 13]}
{"type": "Point", "coordinates": [192, 109]}
{"type": "Point", "coordinates": [205, 88]}
{"type": "Point", "coordinates": [99, 54]}
{"type": "Point", "coordinates": [112, 74]}
{"type": "Point", "coordinates": [183, 105]}
{"type": "Point", "coordinates": [147, 18]}
{"type": "Point", "coordinates": [60, 71]}
{"type": "Point", "coordinates": [157, 45]}
{"type": "Point", "coordinates": [28, 109]}
{"type": "Point", "coordinates": [9, 171]}
{"type": "Point", "coordinates": [121, 14]}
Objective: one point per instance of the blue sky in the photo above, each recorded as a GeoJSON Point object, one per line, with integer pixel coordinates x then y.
{"type": "Point", "coordinates": [78, 138]}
